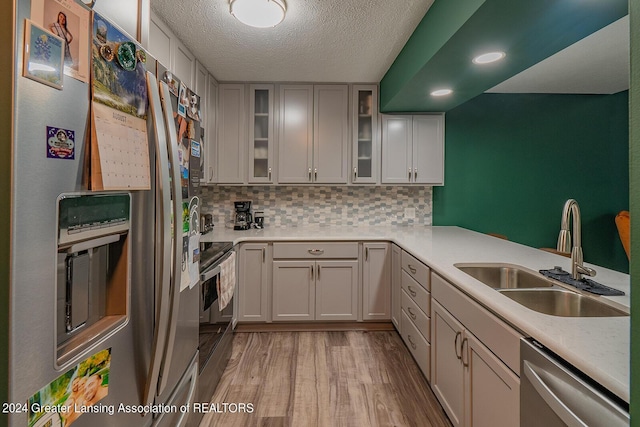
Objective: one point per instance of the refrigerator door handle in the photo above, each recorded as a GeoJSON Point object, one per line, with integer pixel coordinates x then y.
{"type": "Point", "coordinates": [163, 246]}
{"type": "Point", "coordinates": [172, 148]}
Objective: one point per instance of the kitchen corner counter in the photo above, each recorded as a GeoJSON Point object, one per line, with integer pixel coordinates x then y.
{"type": "Point", "coordinates": [598, 346]}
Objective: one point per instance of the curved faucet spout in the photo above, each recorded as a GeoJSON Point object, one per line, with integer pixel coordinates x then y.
{"type": "Point", "coordinates": [571, 212]}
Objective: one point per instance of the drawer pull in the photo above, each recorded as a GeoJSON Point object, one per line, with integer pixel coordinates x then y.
{"type": "Point", "coordinates": [455, 344]}
{"type": "Point", "coordinates": [412, 268]}
{"type": "Point", "coordinates": [411, 291]}
{"type": "Point", "coordinates": [411, 313]}
{"type": "Point", "coordinates": [316, 251]}
{"type": "Point", "coordinates": [413, 345]}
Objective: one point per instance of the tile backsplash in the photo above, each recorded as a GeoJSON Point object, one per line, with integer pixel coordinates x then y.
{"type": "Point", "coordinates": [286, 206]}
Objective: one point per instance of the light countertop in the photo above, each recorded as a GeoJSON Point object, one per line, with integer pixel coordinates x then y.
{"type": "Point", "coordinates": [598, 346]}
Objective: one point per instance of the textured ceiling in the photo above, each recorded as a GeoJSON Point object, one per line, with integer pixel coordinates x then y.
{"type": "Point", "coordinates": [319, 41]}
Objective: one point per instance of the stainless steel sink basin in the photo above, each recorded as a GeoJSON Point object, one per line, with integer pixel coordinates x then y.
{"type": "Point", "coordinates": [561, 302]}
{"type": "Point", "coordinates": [505, 276]}
{"type": "Point", "coordinates": [536, 292]}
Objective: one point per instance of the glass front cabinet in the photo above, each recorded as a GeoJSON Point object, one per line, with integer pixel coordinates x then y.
{"type": "Point", "coordinates": [366, 140]}
{"type": "Point", "coordinates": [261, 133]}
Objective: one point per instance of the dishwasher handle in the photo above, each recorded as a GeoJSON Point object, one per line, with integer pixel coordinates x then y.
{"type": "Point", "coordinates": [554, 402]}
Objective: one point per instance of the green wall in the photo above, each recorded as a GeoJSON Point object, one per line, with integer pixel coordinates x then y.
{"type": "Point", "coordinates": [512, 160]}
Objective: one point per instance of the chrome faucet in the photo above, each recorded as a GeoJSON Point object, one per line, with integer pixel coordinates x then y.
{"type": "Point", "coordinates": [564, 240]}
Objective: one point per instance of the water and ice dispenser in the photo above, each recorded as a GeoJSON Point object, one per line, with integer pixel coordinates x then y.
{"type": "Point", "coordinates": [93, 276]}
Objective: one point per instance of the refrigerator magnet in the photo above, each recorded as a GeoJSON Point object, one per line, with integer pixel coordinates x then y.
{"type": "Point", "coordinates": [183, 100]}
{"type": "Point", "coordinates": [43, 55]}
{"type": "Point", "coordinates": [60, 143]}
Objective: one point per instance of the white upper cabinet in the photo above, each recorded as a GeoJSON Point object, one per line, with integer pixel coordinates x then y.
{"type": "Point", "coordinates": [313, 134]}
{"type": "Point", "coordinates": [183, 63]}
{"type": "Point", "coordinates": [160, 41]}
{"type": "Point", "coordinates": [413, 149]}
{"type": "Point", "coordinates": [171, 52]}
{"type": "Point", "coordinates": [200, 88]}
{"type": "Point", "coordinates": [428, 149]}
{"type": "Point", "coordinates": [211, 132]}
{"type": "Point", "coordinates": [295, 146]}
{"type": "Point", "coordinates": [232, 134]}
{"type": "Point", "coordinates": [330, 134]}
{"type": "Point", "coordinates": [365, 162]}
{"type": "Point", "coordinates": [261, 139]}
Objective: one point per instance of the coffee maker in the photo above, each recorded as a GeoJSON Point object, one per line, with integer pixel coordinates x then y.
{"type": "Point", "coordinates": [244, 218]}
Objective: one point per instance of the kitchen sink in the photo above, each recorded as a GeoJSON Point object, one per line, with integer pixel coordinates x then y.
{"type": "Point", "coordinates": [505, 276]}
{"type": "Point", "coordinates": [538, 293]}
{"type": "Point", "coordinates": [562, 302]}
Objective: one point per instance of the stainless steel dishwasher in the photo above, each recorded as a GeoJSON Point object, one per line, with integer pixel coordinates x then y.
{"type": "Point", "coordinates": [553, 393]}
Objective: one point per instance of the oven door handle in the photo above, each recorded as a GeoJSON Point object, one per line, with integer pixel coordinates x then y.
{"type": "Point", "coordinates": [215, 269]}
{"type": "Point", "coordinates": [207, 275]}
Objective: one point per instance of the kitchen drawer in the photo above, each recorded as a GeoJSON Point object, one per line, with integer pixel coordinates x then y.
{"type": "Point", "coordinates": [416, 269]}
{"type": "Point", "coordinates": [417, 316]}
{"type": "Point", "coordinates": [494, 333]}
{"type": "Point", "coordinates": [419, 347]}
{"type": "Point", "coordinates": [315, 250]}
{"type": "Point", "coordinates": [420, 295]}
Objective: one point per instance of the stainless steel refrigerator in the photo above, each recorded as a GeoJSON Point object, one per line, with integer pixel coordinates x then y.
{"type": "Point", "coordinates": [105, 301]}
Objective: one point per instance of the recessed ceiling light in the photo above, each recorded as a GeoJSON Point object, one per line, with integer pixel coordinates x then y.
{"type": "Point", "coordinates": [258, 13]}
{"type": "Point", "coordinates": [489, 57]}
{"type": "Point", "coordinates": [441, 92]}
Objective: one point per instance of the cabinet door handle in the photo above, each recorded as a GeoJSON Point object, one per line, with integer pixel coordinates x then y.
{"type": "Point", "coordinates": [409, 174]}
{"type": "Point", "coordinates": [366, 254]}
{"type": "Point", "coordinates": [412, 269]}
{"type": "Point", "coordinates": [465, 364]}
{"type": "Point", "coordinates": [355, 173]}
{"type": "Point", "coordinates": [413, 345]}
{"type": "Point", "coordinates": [415, 174]}
{"type": "Point", "coordinates": [269, 173]}
{"type": "Point", "coordinates": [263, 255]}
{"type": "Point", "coordinates": [210, 174]}
{"type": "Point", "coordinates": [311, 272]}
{"type": "Point", "coordinates": [411, 291]}
{"type": "Point", "coordinates": [315, 173]}
{"type": "Point", "coordinates": [411, 313]}
{"type": "Point", "coordinates": [455, 344]}
{"type": "Point", "coordinates": [318, 275]}
{"type": "Point", "coordinates": [309, 174]}
{"type": "Point", "coordinates": [316, 251]}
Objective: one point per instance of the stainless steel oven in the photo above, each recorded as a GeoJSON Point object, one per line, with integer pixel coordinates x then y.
{"type": "Point", "coordinates": [553, 393]}
{"type": "Point", "coordinates": [216, 327]}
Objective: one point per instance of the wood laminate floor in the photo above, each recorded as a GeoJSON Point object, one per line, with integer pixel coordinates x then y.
{"type": "Point", "coordinates": [346, 378]}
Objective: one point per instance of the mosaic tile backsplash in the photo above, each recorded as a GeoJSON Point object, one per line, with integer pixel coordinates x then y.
{"type": "Point", "coordinates": [322, 206]}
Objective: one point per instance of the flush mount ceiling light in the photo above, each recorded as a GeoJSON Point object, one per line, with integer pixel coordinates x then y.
{"type": "Point", "coordinates": [441, 92]}
{"type": "Point", "coordinates": [489, 57]}
{"type": "Point", "coordinates": [258, 13]}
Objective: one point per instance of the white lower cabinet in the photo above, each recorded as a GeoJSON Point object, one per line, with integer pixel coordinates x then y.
{"type": "Point", "coordinates": [254, 260]}
{"type": "Point", "coordinates": [307, 289]}
{"type": "Point", "coordinates": [396, 286]}
{"type": "Point", "coordinates": [376, 282]}
{"type": "Point", "coordinates": [474, 386]}
{"type": "Point", "coordinates": [294, 295]}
